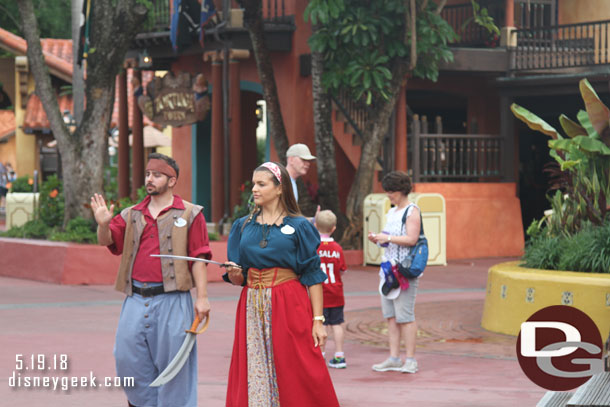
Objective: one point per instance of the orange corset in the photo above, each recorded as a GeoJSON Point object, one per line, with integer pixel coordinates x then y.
{"type": "Point", "coordinates": [270, 277]}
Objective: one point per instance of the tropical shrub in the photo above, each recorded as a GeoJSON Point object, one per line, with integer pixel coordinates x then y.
{"type": "Point", "coordinates": [587, 250]}
{"type": "Point", "coordinates": [582, 182]}
{"type": "Point", "coordinates": [51, 202]}
{"type": "Point", "coordinates": [246, 204]}
{"type": "Point", "coordinates": [78, 230]}
{"type": "Point", "coordinates": [48, 217]}
{"type": "Point", "coordinates": [25, 183]}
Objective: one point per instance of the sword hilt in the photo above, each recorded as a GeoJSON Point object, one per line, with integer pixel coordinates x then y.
{"type": "Point", "coordinates": [196, 322]}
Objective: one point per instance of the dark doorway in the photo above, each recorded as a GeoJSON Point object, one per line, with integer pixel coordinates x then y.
{"type": "Point", "coordinates": [534, 155]}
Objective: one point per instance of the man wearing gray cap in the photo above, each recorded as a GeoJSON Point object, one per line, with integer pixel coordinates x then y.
{"type": "Point", "coordinates": [298, 159]}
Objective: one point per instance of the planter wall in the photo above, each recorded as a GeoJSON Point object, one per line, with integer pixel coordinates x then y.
{"type": "Point", "coordinates": [72, 263]}
{"type": "Point", "coordinates": [514, 293]}
{"type": "Point", "coordinates": [20, 208]}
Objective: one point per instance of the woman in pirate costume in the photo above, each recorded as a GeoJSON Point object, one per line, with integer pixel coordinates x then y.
{"type": "Point", "coordinates": [279, 328]}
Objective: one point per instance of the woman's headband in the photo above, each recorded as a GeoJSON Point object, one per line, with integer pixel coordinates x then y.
{"type": "Point", "coordinates": [156, 164]}
{"type": "Point", "coordinates": [274, 168]}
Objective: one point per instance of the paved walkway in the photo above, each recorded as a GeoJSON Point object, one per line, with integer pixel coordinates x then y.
{"type": "Point", "coordinates": [460, 363]}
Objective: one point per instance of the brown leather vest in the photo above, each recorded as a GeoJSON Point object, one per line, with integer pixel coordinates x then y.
{"type": "Point", "coordinates": [173, 239]}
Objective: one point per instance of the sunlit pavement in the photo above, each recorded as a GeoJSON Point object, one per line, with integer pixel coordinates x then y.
{"type": "Point", "coordinates": [460, 363]}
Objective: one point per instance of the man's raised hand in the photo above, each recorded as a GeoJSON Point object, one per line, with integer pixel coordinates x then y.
{"type": "Point", "coordinates": [102, 214]}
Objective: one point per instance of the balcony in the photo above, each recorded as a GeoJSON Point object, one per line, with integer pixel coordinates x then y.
{"type": "Point", "coordinates": [155, 34]}
{"type": "Point", "coordinates": [441, 157]}
{"type": "Point", "coordinates": [561, 46]}
{"type": "Point", "coordinates": [472, 35]}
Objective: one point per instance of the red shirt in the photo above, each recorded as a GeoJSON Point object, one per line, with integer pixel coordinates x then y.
{"type": "Point", "coordinates": [146, 268]}
{"type": "Point", "coordinates": [332, 263]}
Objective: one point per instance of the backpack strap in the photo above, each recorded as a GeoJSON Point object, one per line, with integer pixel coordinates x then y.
{"type": "Point", "coordinates": [421, 227]}
{"type": "Point", "coordinates": [421, 221]}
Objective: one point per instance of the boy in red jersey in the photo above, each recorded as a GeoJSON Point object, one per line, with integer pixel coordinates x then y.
{"type": "Point", "coordinates": [332, 263]}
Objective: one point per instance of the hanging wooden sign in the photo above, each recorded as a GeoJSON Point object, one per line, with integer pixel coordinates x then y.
{"type": "Point", "coordinates": [175, 99]}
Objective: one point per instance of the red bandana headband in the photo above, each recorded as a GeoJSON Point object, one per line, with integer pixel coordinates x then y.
{"type": "Point", "coordinates": [273, 167]}
{"type": "Point", "coordinates": [158, 165]}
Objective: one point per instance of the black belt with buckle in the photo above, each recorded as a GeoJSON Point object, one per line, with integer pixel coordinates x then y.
{"type": "Point", "coordinates": [148, 291]}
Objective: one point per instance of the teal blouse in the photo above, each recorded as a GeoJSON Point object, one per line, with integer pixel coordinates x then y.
{"type": "Point", "coordinates": [292, 245]}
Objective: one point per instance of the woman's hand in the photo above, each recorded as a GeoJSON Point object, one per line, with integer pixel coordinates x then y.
{"type": "Point", "coordinates": [319, 333]}
{"type": "Point", "coordinates": [379, 238]}
{"type": "Point", "coordinates": [235, 273]}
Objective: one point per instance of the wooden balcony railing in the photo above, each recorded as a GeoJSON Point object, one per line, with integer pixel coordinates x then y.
{"type": "Point", "coordinates": [453, 157]}
{"type": "Point", "coordinates": [459, 16]}
{"type": "Point", "coordinates": [562, 46]}
{"type": "Point", "coordinates": [159, 16]}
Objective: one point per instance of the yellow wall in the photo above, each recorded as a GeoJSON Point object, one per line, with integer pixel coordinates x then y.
{"type": "Point", "coordinates": [7, 77]}
{"type": "Point", "coordinates": [25, 143]}
{"type": "Point", "coordinates": [167, 130]}
{"type": "Point", "coordinates": [578, 11]}
{"type": "Point", "coordinates": [8, 152]}
{"type": "Point", "coordinates": [514, 293]}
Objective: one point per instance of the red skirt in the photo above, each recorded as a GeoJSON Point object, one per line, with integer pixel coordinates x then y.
{"type": "Point", "coordinates": [298, 373]}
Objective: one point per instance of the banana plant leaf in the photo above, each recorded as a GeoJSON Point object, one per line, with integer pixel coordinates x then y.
{"type": "Point", "coordinates": [599, 114]}
{"type": "Point", "coordinates": [583, 143]}
{"type": "Point", "coordinates": [534, 122]}
{"type": "Point", "coordinates": [583, 118]}
{"type": "Point", "coordinates": [568, 165]}
{"type": "Point", "coordinates": [571, 128]}
{"type": "Point", "coordinates": [591, 145]}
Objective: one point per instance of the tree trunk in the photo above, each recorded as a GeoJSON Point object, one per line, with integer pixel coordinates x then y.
{"type": "Point", "coordinates": [78, 71]}
{"type": "Point", "coordinates": [113, 28]}
{"type": "Point", "coordinates": [328, 189]}
{"type": "Point", "coordinates": [253, 21]}
{"type": "Point", "coordinates": [375, 130]}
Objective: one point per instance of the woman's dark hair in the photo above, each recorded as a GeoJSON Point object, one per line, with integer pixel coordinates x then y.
{"type": "Point", "coordinates": [397, 181]}
{"type": "Point", "coordinates": [287, 199]}
{"type": "Point", "coordinates": [170, 161]}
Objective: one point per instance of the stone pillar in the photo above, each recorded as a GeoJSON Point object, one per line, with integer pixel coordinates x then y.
{"type": "Point", "coordinates": [400, 130]}
{"type": "Point", "coordinates": [123, 147]}
{"type": "Point", "coordinates": [137, 143]}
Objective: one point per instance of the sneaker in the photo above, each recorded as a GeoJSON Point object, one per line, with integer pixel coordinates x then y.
{"type": "Point", "coordinates": [388, 365]}
{"type": "Point", "coordinates": [337, 363]}
{"type": "Point", "coordinates": [410, 366]}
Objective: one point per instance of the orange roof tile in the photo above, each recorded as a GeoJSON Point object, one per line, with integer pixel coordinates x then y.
{"type": "Point", "coordinates": [58, 55]}
{"type": "Point", "coordinates": [7, 123]}
{"type": "Point", "coordinates": [58, 47]}
{"type": "Point", "coordinates": [35, 116]}
{"type": "Point", "coordinates": [53, 50]}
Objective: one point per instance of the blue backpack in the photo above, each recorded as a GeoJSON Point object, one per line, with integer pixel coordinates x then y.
{"type": "Point", "coordinates": [415, 262]}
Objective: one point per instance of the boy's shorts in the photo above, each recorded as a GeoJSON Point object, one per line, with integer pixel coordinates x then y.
{"type": "Point", "coordinates": [333, 315]}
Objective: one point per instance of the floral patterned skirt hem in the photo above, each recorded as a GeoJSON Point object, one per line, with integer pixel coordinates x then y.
{"type": "Point", "coordinates": [274, 361]}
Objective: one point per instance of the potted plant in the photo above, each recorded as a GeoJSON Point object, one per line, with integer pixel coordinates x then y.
{"type": "Point", "coordinates": [566, 261]}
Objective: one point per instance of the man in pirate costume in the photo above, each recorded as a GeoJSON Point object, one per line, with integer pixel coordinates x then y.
{"type": "Point", "coordinates": [158, 307]}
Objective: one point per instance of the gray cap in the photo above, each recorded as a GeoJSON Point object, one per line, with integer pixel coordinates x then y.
{"type": "Point", "coordinates": [301, 151]}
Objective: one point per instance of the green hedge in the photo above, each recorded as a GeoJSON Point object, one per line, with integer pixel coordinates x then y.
{"type": "Point", "coordinates": [587, 250]}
